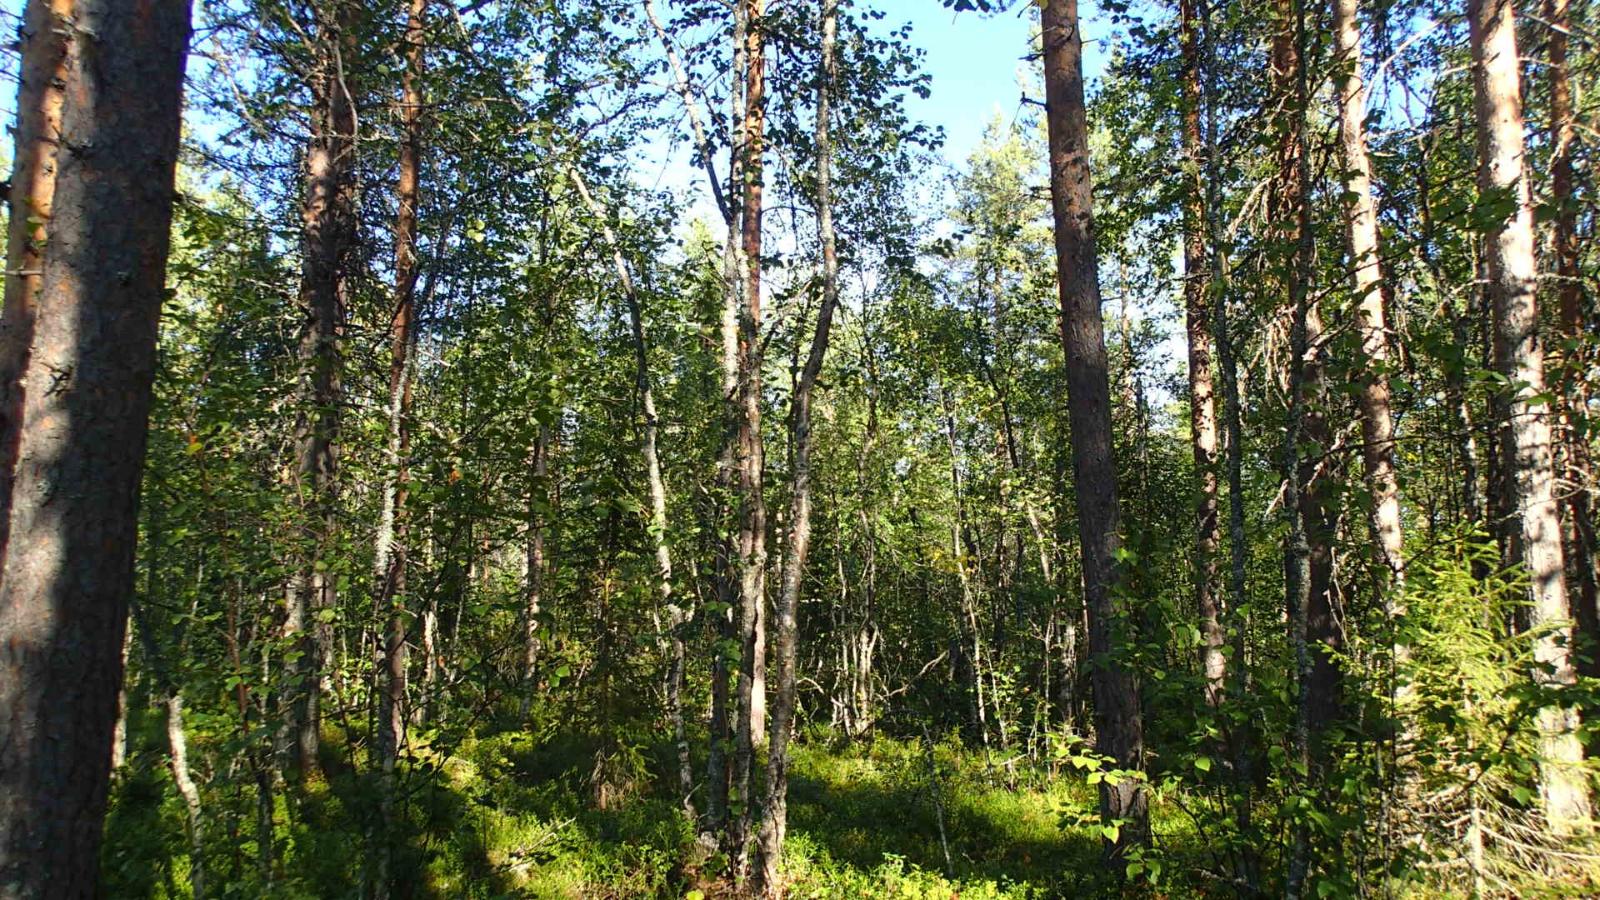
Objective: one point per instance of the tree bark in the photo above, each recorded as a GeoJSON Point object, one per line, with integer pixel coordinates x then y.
{"type": "Point", "coordinates": [1525, 435]}
{"type": "Point", "coordinates": [963, 552]}
{"type": "Point", "coordinates": [774, 823]}
{"type": "Point", "coordinates": [680, 86]}
{"type": "Point", "coordinates": [750, 454]}
{"type": "Point", "coordinates": [1307, 547]}
{"type": "Point", "coordinates": [389, 567]}
{"type": "Point", "coordinates": [46, 41]}
{"type": "Point", "coordinates": [1118, 726]}
{"type": "Point", "coordinates": [177, 748]}
{"type": "Point", "coordinates": [328, 243]}
{"type": "Point", "coordinates": [1247, 867]}
{"type": "Point", "coordinates": [533, 588]}
{"type": "Point", "coordinates": [1202, 393]}
{"type": "Point", "coordinates": [84, 282]}
{"type": "Point", "coordinates": [1361, 234]}
{"type": "Point", "coordinates": [1578, 504]}
{"type": "Point", "coordinates": [677, 618]}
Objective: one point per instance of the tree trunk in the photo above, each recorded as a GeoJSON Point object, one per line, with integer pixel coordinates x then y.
{"type": "Point", "coordinates": [1525, 435]}
{"type": "Point", "coordinates": [177, 746]}
{"type": "Point", "coordinates": [188, 791]}
{"type": "Point", "coordinates": [962, 553]}
{"type": "Point", "coordinates": [1361, 233]}
{"type": "Point", "coordinates": [328, 239]}
{"type": "Point", "coordinates": [1241, 728]}
{"type": "Point", "coordinates": [47, 62]}
{"type": "Point", "coordinates": [1119, 730]}
{"type": "Point", "coordinates": [533, 587]}
{"type": "Point", "coordinates": [1470, 495]}
{"type": "Point", "coordinates": [726, 586]}
{"type": "Point", "coordinates": [676, 617]}
{"type": "Point", "coordinates": [680, 86]}
{"type": "Point", "coordinates": [1578, 505]}
{"type": "Point", "coordinates": [1202, 394]}
{"type": "Point", "coordinates": [84, 282]}
{"type": "Point", "coordinates": [119, 733]}
{"type": "Point", "coordinates": [389, 567]}
{"type": "Point", "coordinates": [1307, 551]}
{"type": "Point", "coordinates": [750, 455]}
{"type": "Point", "coordinates": [863, 634]}
{"type": "Point", "coordinates": [774, 823]}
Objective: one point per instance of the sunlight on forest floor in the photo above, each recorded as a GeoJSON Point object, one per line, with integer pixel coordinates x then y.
{"type": "Point", "coordinates": [509, 816]}
{"type": "Point", "coordinates": [514, 814]}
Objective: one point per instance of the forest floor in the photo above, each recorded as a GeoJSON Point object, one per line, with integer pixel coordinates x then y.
{"type": "Point", "coordinates": [509, 816]}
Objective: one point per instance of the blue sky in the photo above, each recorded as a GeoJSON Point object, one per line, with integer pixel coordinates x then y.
{"type": "Point", "coordinates": [973, 61]}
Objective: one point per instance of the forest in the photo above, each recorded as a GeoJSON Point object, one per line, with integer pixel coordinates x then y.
{"type": "Point", "coordinates": [607, 449]}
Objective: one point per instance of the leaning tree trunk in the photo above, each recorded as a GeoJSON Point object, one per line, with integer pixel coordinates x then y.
{"type": "Point", "coordinates": [717, 762]}
{"type": "Point", "coordinates": [774, 822]}
{"type": "Point", "coordinates": [677, 618]}
{"type": "Point", "coordinates": [328, 238]}
{"type": "Point", "coordinates": [389, 567]}
{"type": "Point", "coordinates": [717, 774]}
{"type": "Point", "coordinates": [1119, 731]}
{"type": "Point", "coordinates": [84, 281]}
{"type": "Point", "coordinates": [1526, 434]}
{"type": "Point", "coordinates": [1202, 394]}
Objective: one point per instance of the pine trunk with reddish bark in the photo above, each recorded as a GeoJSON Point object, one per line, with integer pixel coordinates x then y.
{"type": "Point", "coordinates": [389, 568]}
{"type": "Point", "coordinates": [86, 269]}
{"type": "Point", "coordinates": [1202, 392]}
{"type": "Point", "coordinates": [1578, 491]}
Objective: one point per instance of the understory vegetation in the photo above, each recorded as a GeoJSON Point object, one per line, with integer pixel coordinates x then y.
{"type": "Point", "coordinates": [513, 814]}
{"type": "Point", "coordinates": [628, 448]}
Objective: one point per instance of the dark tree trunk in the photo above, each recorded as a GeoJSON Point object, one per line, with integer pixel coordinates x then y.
{"type": "Point", "coordinates": [1308, 554]}
{"type": "Point", "coordinates": [328, 245]}
{"type": "Point", "coordinates": [85, 275]}
{"type": "Point", "coordinates": [1118, 727]}
{"type": "Point", "coordinates": [1241, 728]}
{"type": "Point", "coordinates": [1577, 507]}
